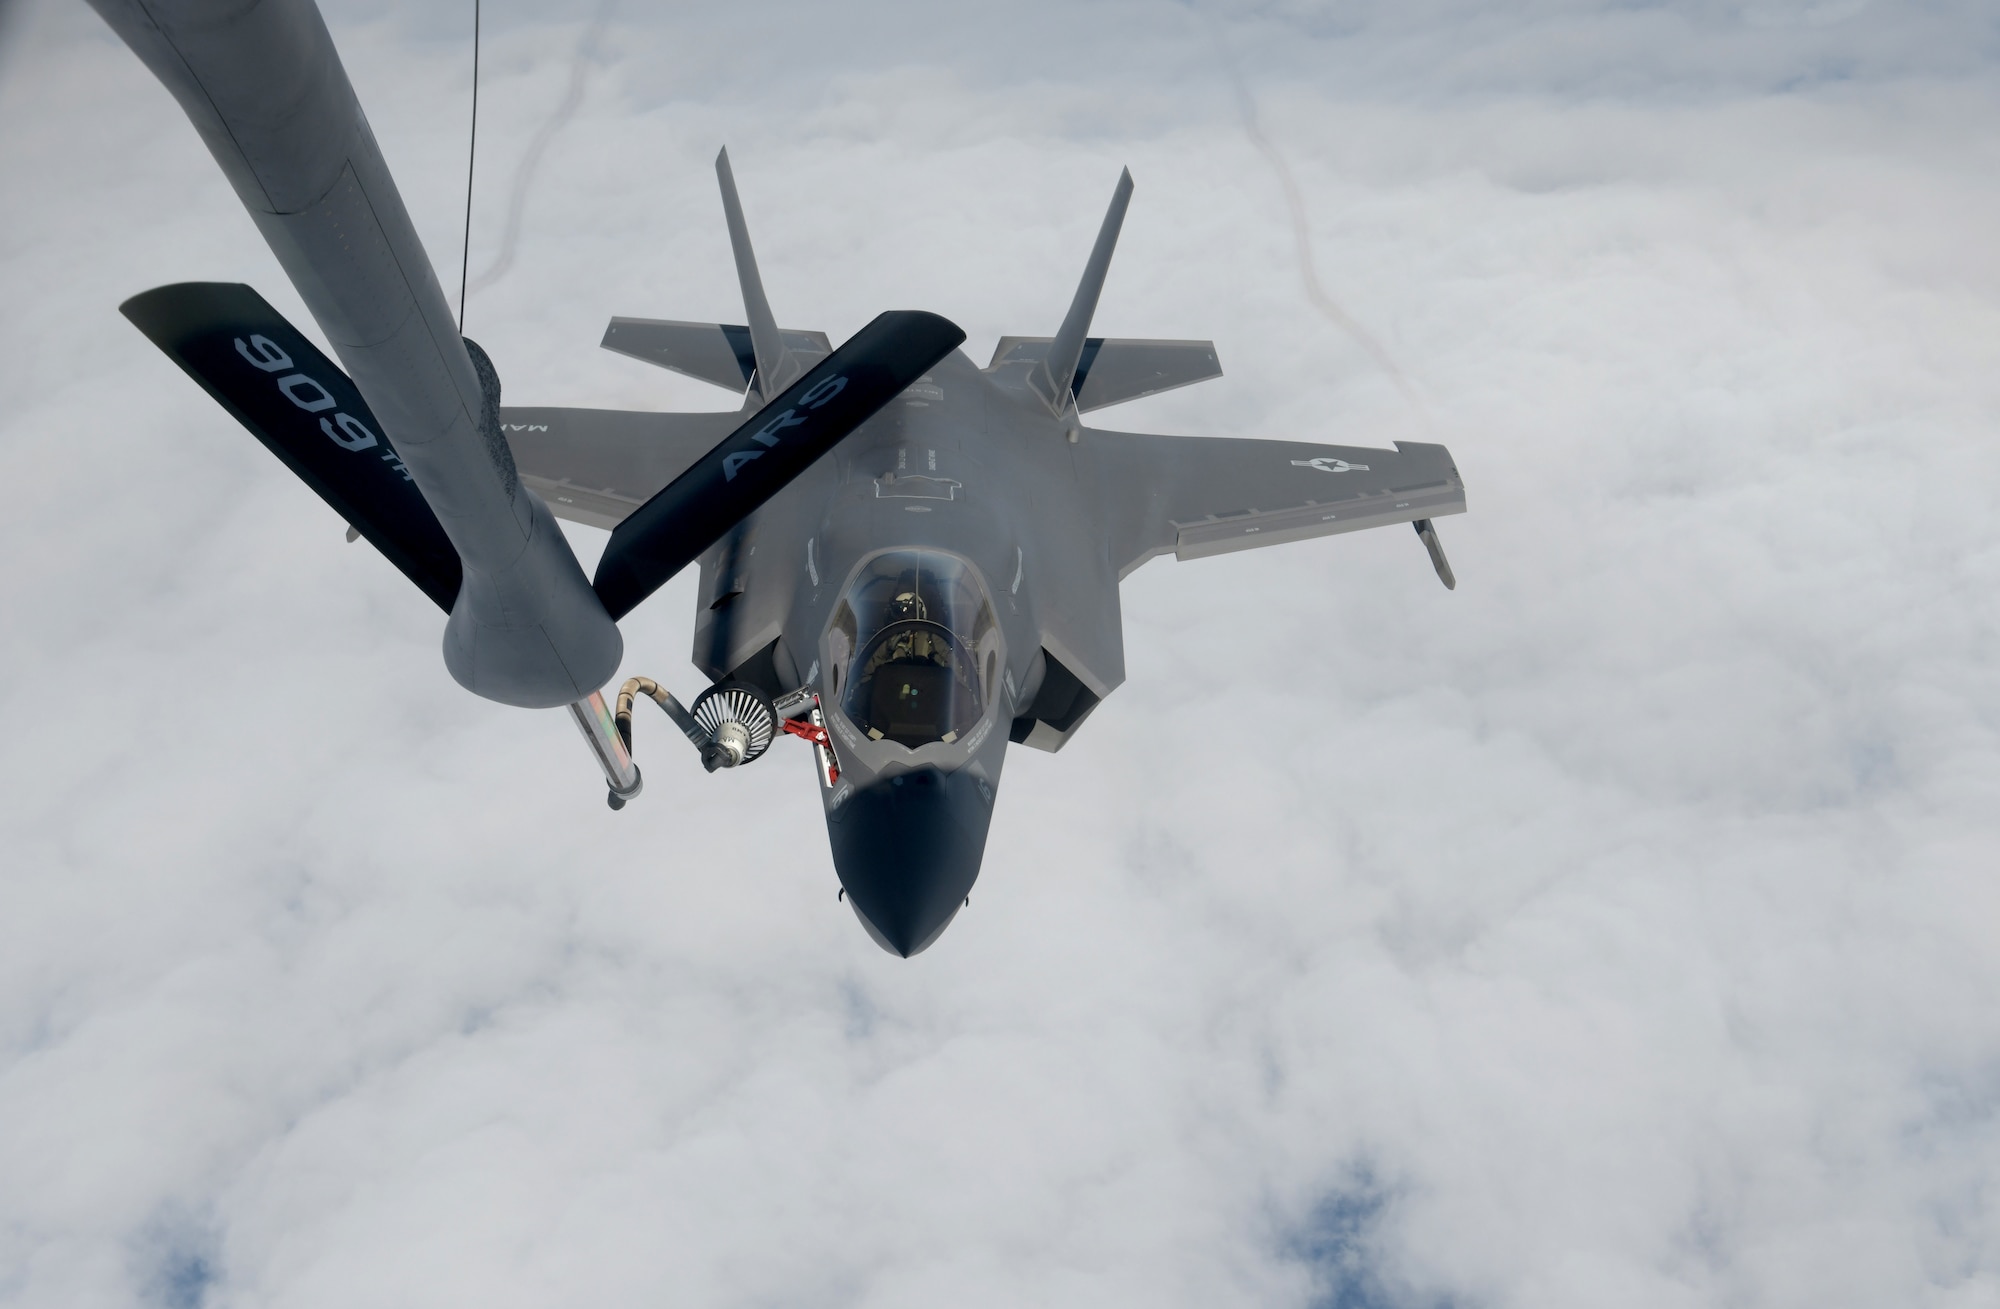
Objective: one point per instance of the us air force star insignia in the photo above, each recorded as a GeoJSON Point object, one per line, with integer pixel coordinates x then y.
{"type": "Point", "coordinates": [1327, 464]}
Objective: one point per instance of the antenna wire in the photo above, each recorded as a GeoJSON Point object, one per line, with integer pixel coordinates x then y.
{"type": "Point", "coordinates": [471, 154]}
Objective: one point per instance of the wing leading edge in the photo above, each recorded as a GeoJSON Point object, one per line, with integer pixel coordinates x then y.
{"type": "Point", "coordinates": [1198, 496]}
{"type": "Point", "coordinates": [719, 353]}
{"type": "Point", "coordinates": [595, 466]}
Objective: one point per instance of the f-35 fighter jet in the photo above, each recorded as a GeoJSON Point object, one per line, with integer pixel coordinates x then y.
{"type": "Point", "coordinates": [907, 559]}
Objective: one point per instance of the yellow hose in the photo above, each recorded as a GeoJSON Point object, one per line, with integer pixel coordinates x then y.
{"type": "Point", "coordinates": [645, 686]}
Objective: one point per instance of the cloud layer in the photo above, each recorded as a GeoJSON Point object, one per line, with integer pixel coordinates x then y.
{"type": "Point", "coordinates": [1620, 928]}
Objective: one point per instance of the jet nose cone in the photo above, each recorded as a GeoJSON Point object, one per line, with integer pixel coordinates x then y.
{"type": "Point", "coordinates": [908, 849]}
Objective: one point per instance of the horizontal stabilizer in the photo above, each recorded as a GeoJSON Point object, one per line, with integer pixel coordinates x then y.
{"type": "Point", "coordinates": [720, 353]}
{"type": "Point", "coordinates": [307, 412]}
{"type": "Point", "coordinates": [1115, 369]}
{"type": "Point", "coordinates": [762, 456]}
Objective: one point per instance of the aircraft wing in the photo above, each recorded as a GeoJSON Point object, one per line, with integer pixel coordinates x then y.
{"type": "Point", "coordinates": [1200, 496]}
{"type": "Point", "coordinates": [596, 466]}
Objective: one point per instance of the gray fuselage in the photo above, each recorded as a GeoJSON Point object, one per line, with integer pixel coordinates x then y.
{"type": "Point", "coordinates": [944, 470]}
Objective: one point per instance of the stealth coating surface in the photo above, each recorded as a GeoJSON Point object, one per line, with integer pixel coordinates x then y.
{"type": "Point", "coordinates": [307, 412]}
{"type": "Point", "coordinates": [761, 457]}
{"type": "Point", "coordinates": [909, 849]}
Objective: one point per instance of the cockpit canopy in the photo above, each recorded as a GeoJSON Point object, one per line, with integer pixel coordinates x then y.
{"type": "Point", "coordinates": [906, 648]}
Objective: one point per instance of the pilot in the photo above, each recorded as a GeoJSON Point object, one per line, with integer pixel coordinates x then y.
{"type": "Point", "coordinates": [911, 645]}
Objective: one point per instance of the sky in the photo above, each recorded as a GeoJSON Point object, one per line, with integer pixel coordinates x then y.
{"type": "Point", "coordinates": [1620, 928]}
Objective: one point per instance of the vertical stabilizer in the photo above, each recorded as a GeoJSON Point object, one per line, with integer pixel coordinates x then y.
{"type": "Point", "coordinates": [776, 369]}
{"type": "Point", "coordinates": [1059, 370]}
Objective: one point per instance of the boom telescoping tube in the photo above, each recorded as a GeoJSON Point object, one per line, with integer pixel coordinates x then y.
{"type": "Point", "coordinates": [608, 747]}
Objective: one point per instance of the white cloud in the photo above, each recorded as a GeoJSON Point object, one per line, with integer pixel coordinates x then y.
{"type": "Point", "coordinates": [1616, 929]}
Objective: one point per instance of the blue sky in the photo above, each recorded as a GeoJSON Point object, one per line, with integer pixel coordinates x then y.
{"type": "Point", "coordinates": [1619, 928]}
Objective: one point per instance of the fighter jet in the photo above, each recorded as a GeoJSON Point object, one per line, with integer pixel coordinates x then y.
{"type": "Point", "coordinates": [907, 559]}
